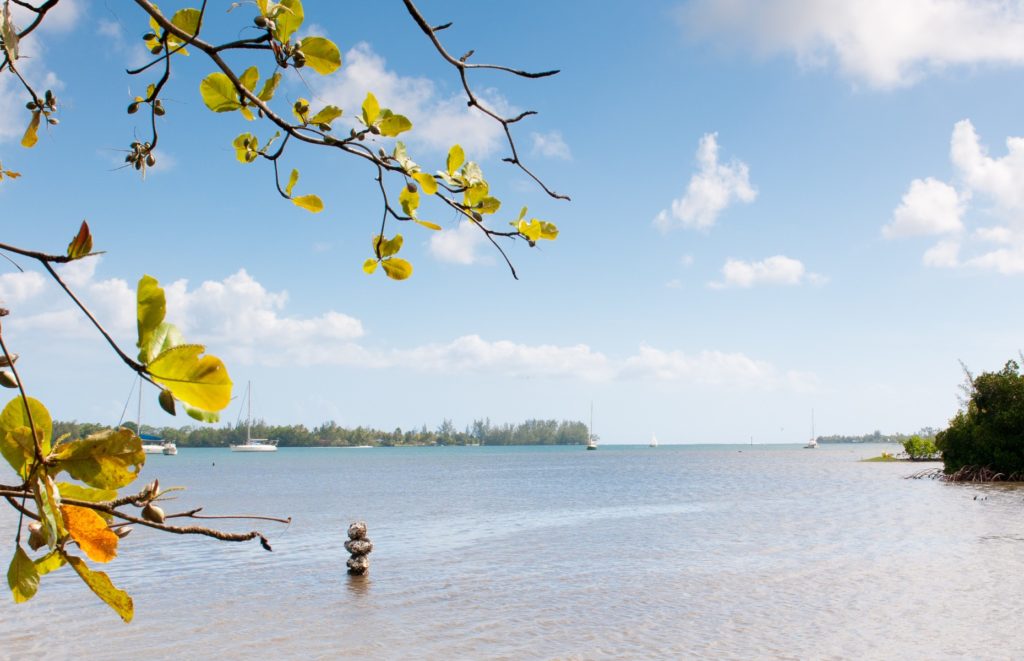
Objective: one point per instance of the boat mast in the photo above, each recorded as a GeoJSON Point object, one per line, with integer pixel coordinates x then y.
{"type": "Point", "coordinates": [590, 430]}
{"type": "Point", "coordinates": [138, 418]}
{"type": "Point", "coordinates": [248, 415]}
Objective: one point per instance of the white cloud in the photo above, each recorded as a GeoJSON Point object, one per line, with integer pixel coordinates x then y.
{"type": "Point", "coordinates": [713, 188]}
{"type": "Point", "coordinates": [551, 145]}
{"type": "Point", "coordinates": [932, 207]}
{"type": "Point", "coordinates": [19, 287]}
{"type": "Point", "coordinates": [64, 17]}
{"type": "Point", "coordinates": [882, 43]}
{"type": "Point", "coordinates": [929, 207]}
{"type": "Point", "coordinates": [944, 254]}
{"type": "Point", "coordinates": [13, 95]}
{"type": "Point", "coordinates": [245, 323]}
{"type": "Point", "coordinates": [439, 120]}
{"type": "Point", "coordinates": [457, 246]}
{"type": "Point", "coordinates": [709, 367]}
{"type": "Point", "coordinates": [776, 270]}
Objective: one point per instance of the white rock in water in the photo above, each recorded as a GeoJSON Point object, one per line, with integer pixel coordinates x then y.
{"type": "Point", "coordinates": [358, 546]}
{"type": "Point", "coordinates": [357, 530]}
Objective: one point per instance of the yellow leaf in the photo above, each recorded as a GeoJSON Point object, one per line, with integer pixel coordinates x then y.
{"type": "Point", "coordinates": [89, 529]}
{"type": "Point", "coordinates": [369, 266]}
{"type": "Point", "coordinates": [31, 136]}
{"type": "Point", "coordinates": [397, 268]}
{"type": "Point", "coordinates": [108, 459]}
{"type": "Point", "coordinates": [410, 201]}
{"type": "Point", "coordinates": [49, 562]}
{"type": "Point", "coordinates": [22, 576]}
{"type": "Point", "coordinates": [455, 158]}
{"type": "Point", "coordinates": [309, 203]}
{"type": "Point", "coordinates": [103, 588]}
{"type": "Point", "coordinates": [426, 182]}
{"type": "Point", "coordinates": [427, 224]}
{"type": "Point", "coordinates": [201, 381]}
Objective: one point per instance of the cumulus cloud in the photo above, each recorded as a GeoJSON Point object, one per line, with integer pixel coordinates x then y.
{"type": "Point", "coordinates": [440, 119]}
{"type": "Point", "coordinates": [713, 188]}
{"type": "Point", "coordinates": [776, 270]}
{"type": "Point", "coordinates": [928, 208]}
{"type": "Point", "coordinates": [457, 246]}
{"type": "Point", "coordinates": [18, 287]}
{"type": "Point", "coordinates": [881, 43]}
{"type": "Point", "coordinates": [986, 189]}
{"type": "Point", "coordinates": [551, 145]}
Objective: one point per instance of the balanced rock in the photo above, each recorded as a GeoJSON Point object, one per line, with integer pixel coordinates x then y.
{"type": "Point", "coordinates": [358, 564]}
{"type": "Point", "coordinates": [358, 546]}
{"type": "Point", "coordinates": [357, 530]}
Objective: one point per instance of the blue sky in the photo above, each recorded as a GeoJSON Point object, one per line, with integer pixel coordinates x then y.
{"type": "Point", "coordinates": [777, 206]}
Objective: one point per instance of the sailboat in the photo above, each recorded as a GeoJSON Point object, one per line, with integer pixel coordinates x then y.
{"type": "Point", "coordinates": [813, 443]}
{"type": "Point", "coordinates": [253, 444]}
{"type": "Point", "coordinates": [591, 442]}
{"type": "Point", "coordinates": [654, 441]}
{"type": "Point", "coordinates": [151, 444]}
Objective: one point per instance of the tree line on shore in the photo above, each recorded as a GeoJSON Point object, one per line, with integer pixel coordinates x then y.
{"type": "Point", "coordinates": [331, 434]}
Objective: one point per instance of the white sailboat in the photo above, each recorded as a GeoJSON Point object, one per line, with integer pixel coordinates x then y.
{"type": "Point", "coordinates": [591, 443]}
{"type": "Point", "coordinates": [151, 444]}
{"type": "Point", "coordinates": [253, 444]}
{"type": "Point", "coordinates": [813, 442]}
{"type": "Point", "coordinates": [654, 441]}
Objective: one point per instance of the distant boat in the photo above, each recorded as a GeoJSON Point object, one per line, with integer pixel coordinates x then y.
{"type": "Point", "coordinates": [813, 442]}
{"type": "Point", "coordinates": [151, 444]}
{"type": "Point", "coordinates": [253, 444]}
{"type": "Point", "coordinates": [591, 443]}
{"type": "Point", "coordinates": [654, 441]}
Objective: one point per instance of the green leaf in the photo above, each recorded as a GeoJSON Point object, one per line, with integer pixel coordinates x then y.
{"type": "Point", "coordinates": [310, 203]}
{"type": "Point", "coordinates": [151, 308]}
{"type": "Point", "coordinates": [166, 400]}
{"type": "Point", "coordinates": [269, 87]}
{"type": "Point", "coordinates": [369, 266]}
{"type": "Point", "coordinates": [47, 497]}
{"type": "Point", "coordinates": [103, 588]}
{"type": "Point", "coordinates": [81, 245]}
{"type": "Point", "coordinates": [292, 180]}
{"type": "Point", "coordinates": [31, 136]}
{"type": "Point", "coordinates": [397, 268]}
{"type": "Point", "coordinates": [201, 415]}
{"type": "Point", "coordinates": [78, 492]}
{"type": "Point", "coordinates": [219, 93]}
{"type": "Point", "coordinates": [426, 182]}
{"type": "Point", "coordinates": [410, 201]}
{"type": "Point", "coordinates": [49, 562]}
{"type": "Point", "coordinates": [393, 125]}
{"type": "Point", "coordinates": [16, 442]}
{"type": "Point", "coordinates": [427, 224]}
{"type": "Point", "coordinates": [22, 576]}
{"type": "Point", "coordinates": [321, 54]}
{"type": "Point", "coordinates": [371, 109]}
{"type": "Point", "coordinates": [201, 381]}
{"type": "Point", "coordinates": [288, 20]}
{"type": "Point", "coordinates": [249, 78]}
{"type": "Point", "coordinates": [109, 459]}
{"type": "Point", "coordinates": [327, 115]}
{"type": "Point", "coordinates": [163, 338]}
{"type": "Point", "coordinates": [455, 158]}
{"type": "Point", "coordinates": [187, 20]}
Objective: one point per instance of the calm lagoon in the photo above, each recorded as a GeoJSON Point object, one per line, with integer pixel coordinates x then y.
{"type": "Point", "coordinates": [554, 552]}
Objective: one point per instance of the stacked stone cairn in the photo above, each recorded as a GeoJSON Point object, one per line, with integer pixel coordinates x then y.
{"type": "Point", "coordinates": [359, 546]}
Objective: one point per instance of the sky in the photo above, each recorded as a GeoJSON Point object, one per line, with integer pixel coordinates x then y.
{"type": "Point", "coordinates": [778, 206]}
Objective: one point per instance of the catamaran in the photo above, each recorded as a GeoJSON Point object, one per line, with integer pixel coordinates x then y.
{"type": "Point", "coordinates": [654, 441]}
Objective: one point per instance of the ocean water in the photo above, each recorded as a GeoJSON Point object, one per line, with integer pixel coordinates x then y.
{"type": "Point", "coordinates": [556, 553]}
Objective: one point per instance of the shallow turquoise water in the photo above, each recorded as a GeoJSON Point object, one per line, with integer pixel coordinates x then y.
{"type": "Point", "coordinates": [554, 552]}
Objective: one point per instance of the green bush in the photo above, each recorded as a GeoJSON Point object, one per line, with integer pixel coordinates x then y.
{"type": "Point", "coordinates": [990, 432]}
{"type": "Point", "coordinates": [920, 449]}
